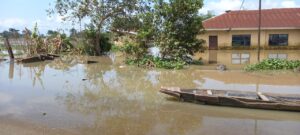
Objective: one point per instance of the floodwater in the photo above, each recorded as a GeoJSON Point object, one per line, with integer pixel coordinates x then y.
{"type": "Point", "coordinates": [69, 97]}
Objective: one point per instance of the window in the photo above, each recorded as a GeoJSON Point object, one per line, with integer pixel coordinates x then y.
{"type": "Point", "coordinates": [240, 58]}
{"type": "Point", "coordinates": [241, 40]}
{"type": "Point", "coordinates": [278, 39]}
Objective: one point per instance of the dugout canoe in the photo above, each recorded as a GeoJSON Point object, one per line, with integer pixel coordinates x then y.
{"type": "Point", "coordinates": [255, 100]}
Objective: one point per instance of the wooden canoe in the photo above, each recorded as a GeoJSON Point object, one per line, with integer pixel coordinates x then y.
{"type": "Point", "coordinates": [270, 101]}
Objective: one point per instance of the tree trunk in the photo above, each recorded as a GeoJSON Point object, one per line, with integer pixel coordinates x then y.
{"type": "Point", "coordinates": [98, 43]}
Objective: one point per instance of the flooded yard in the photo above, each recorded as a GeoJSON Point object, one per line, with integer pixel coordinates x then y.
{"type": "Point", "coordinates": [68, 97]}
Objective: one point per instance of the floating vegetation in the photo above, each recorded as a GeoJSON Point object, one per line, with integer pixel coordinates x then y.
{"type": "Point", "coordinates": [274, 64]}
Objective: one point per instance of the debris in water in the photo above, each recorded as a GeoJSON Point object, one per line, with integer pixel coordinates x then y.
{"type": "Point", "coordinates": [91, 62]}
{"type": "Point", "coordinates": [84, 79]}
{"type": "Point", "coordinates": [221, 67]}
{"type": "Point", "coordinates": [44, 114]}
{"type": "Point", "coordinates": [122, 66]}
{"type": "Point", "coordinates": [38, 58]}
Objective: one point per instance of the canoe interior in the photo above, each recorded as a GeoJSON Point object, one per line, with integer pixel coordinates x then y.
{"type": "Point", "coordinates": [246, 95]}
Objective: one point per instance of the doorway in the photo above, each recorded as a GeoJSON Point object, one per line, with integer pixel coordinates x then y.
{"type": "Point", "coordinates": [213, 42]}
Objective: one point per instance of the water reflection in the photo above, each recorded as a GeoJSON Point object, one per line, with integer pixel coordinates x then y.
{"type": "Point", "coordinates": [153, 77]}
{"type": "Point", "coordinates": [278, 56]}
{"type": "Point", "coordinates": [213, 57]}
{"type": "Point", "coordinates": [11, 70]}
{"type": "Point", "coordinates": [115, 100]}
{"type": "Point", "coordinates": [237, 59]}
{"type": "Point", "coordinates": [240, 58]}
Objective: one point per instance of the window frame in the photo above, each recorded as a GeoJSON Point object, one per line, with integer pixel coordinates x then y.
{"type": "Point", "coordinates": [244, 36]}
{"type": "Point", "coordinates": [279, 44]}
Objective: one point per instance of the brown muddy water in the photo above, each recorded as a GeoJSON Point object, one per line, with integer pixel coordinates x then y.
{"type": "Point", "coordinates": [68, 97]}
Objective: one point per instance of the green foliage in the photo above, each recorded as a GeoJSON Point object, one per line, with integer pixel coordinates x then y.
{"type": "Point", "coordinates": [207, 16]}
{"type": "Point", "coordinates": [35, 31]}
{"type": "Point", "coordinates": [37, 45]}
{"type": "Point", "coordinates": [100, 12]}
{"type": "Point", "coordinates": [177, 24]}
{"type": "Point", "coordinates": [274, 64]}
{"type": "Point", "coordinates": [150, 61]}
{"type": "Point", "coordinates": [173, 25]}
{"type": "Point", "coordinates": [131, 23]}
{"type": "Point", "coordinates": [90, 43]}
{"type": "Point", "coordinates": [52, 33]}
{"type": "Point", "coordinates": [197, 62]}
{"type": "Point", "coordinates": [134, 50]}
{"type": "Point", "coordinates": [136, 54]}
{"type": "Point", "coordinates": [115, 48]}
{"type": "Point", "coordinates": [66, 43]}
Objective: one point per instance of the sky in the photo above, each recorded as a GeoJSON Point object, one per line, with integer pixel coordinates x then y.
{"type": "Point", "coordinates": [25, 13]}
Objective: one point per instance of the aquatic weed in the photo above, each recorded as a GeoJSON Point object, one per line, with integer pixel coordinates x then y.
{"type": "Point", "coordinates": [274, 64]}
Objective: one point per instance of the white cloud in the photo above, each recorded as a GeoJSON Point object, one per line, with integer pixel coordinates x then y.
{"type": "Point", "coordinates": [289, 3]}
{"type": "Point", "coordinates": [12, 22]}
{"type": "Point", "coordinates": [44, 24]}
{"type": "Point", "coordinates": [220, 6]}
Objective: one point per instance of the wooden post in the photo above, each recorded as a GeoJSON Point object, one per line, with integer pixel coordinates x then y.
{"type": "Point", "coordinates": [8, 47]}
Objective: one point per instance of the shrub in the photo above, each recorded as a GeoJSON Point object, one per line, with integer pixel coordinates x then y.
{"type": "Point", "coordinates": [150, 62]}
{"type": "Point", "coordinates": [89, 44]}
{"type": "Point", "coordinates": [134, 50]}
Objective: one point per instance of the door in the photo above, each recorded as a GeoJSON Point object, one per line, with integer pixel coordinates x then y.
{"type": "Point", "coordinates": [213, 42]}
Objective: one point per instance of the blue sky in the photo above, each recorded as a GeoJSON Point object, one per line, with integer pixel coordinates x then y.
{"type": "Point", "coordinates": [25, 13]}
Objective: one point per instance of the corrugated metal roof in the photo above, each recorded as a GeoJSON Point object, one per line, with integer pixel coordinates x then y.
{"type": "Point", "coordinates": [271, 18]}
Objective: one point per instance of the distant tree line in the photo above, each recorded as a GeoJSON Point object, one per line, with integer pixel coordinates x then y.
{"type": "Point", "coordinates": [15, 33]}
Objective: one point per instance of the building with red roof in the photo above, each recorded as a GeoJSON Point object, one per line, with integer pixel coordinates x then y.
{"type": "Point", "coordinates": [279, 28]}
